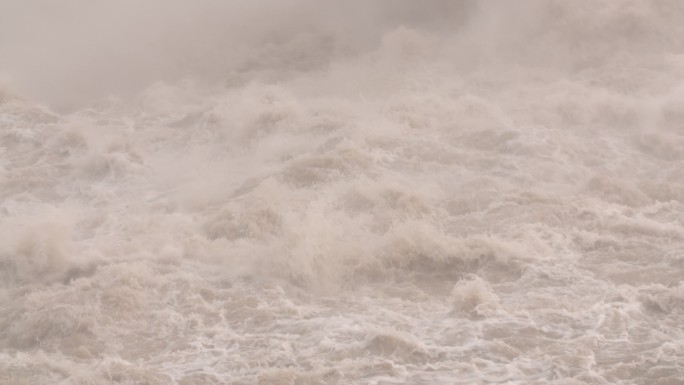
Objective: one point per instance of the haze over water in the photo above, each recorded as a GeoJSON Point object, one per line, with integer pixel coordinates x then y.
{"type": "Point", "coordinates": [342, 192]}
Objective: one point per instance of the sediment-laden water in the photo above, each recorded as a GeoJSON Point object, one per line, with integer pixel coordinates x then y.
{"type": "Point", "coordinates": [304, 192]}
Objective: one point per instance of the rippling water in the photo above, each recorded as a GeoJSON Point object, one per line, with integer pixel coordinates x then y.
{"type": "Point", "coordinates": [385, 193]}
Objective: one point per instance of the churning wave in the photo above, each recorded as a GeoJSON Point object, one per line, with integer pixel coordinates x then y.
{"type": "Point", "coordinates": [395, 192]}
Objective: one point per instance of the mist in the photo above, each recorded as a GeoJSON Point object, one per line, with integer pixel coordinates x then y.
{"type": "Point", "coordinates": [71, 52]}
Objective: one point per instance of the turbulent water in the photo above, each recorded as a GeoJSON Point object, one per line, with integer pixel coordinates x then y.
{"type": "Point", "coordinates": [318, 192]}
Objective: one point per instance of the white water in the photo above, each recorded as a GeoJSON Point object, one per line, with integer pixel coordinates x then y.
{"type": "Point", "coordinates": [311, 192]}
